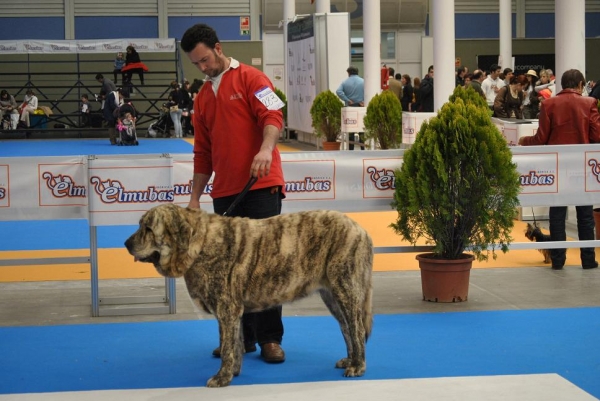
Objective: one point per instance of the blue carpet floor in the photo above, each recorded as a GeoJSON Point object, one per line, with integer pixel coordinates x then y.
{"type": "Point", "coordinates": [71, 147]}
{"type": "Point", "coordinates": [177, 354]}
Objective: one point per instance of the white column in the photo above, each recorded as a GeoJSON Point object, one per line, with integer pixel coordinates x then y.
{"type": "Point", "coordinates": [289, 11]}
{"type": "Point", "coordinates": [505, 34]}
{"type": "Point", "coordinates": [372, 48]}
{"type": "Point", "coordinates": [255, 20]}
{"type": "Point", "coordinates": [443, 52]}
{"type": "Point", "coordinates": [323, 6]}
{"type": "Point", "coordinates": [569, 40]}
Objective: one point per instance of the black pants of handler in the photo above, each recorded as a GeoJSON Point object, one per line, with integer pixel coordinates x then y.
{"type": "Point", "coordinates": [266, 326]}
{"type": "Point", "coordinates": [585, 231]}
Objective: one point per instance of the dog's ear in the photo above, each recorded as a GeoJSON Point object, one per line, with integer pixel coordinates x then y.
{"type": "Point", "coordinates": [178, 232]}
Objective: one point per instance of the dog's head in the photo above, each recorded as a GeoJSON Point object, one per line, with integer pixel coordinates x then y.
{"type": "Point", "coordinates": [163, 240]}
{"type": "Point", "coordinates": [531, 231]}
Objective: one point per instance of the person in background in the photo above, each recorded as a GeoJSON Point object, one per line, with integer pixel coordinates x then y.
{"type": "Point", "coordinates": [113, 100]}
{"type": "Point", "coordinates": [29, 106]}
{"type": "Point", "coordinates": [8, 107]}
{"type": "Point", "coordinates": [407, 93]}
{"type": "Point", "coordinates": [492, 84]}
{"type": "Point", "coordinates": [85, 111]}
{"type": "Point", "coordinates": [176, 106]}
{"type": "Point", "coordinates": [565, 119]}
{"type": "Point", "coordinates": [426, 92]}
{"type": "Point", "coordinates": [107, 85]}
{"type": "Point", "coordinates": [352, 93]}
{"type": "Point", "coordinates": [235, 138]}
{"type": "Point", "coordinates": [188, 103]}
{"type": "Point", "coordinates": [509, 100]}
{"type": "Point", "coordinates": [531, 102]}
{"type": "Point", "coordinates": [118, 65]}
{"type": "Point", "coordinates": [461, 72]}
{"type": "Point", "coordinates": [394, 85]}
{"type": "Point", "coordinates": [416, 99]}
{"type": "Point", "coordinates": [508, 74]}
{"type": "Point", "coordinates": [476, 80]}
{"type": "Point", "coordinates": [133, 63]}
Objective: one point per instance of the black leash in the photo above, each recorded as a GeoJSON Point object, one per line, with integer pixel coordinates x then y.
{"type": "Point", "coordinates": [241, 195]}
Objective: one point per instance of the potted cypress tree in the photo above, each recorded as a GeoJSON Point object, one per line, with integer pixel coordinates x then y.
{"type": "Point", "coordinates": [458, 189]}
{"type": "Point", "coordinates": [383, 121]}
{"type": "Point", "coordinates": [326, 114]}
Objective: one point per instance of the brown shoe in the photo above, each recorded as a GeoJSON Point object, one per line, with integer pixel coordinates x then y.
{"type": "Point", "coordinates": [248, 347]}
{"type": "Point", "coordinates": [272, 353]}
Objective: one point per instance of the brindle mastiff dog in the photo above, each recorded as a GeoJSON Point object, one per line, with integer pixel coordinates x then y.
{"type": "Point", "coordinates": [232, 264]}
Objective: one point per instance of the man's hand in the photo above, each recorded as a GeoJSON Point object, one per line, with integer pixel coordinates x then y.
{"type": "Point", "coordinates": [521, 140]}
{"type": "Point", "coordinates": [194, 204]}
{"type": "Point", "coordinates": [261, 165]}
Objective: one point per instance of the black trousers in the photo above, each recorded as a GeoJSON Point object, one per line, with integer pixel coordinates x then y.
{"type": "Point", "coordinates": [585, 231]}
{"type": "Point", "coordinates": [266, 326]}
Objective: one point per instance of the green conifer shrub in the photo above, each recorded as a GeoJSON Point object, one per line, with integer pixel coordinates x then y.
{"type": "Point", "coordinates": [383, 121]}
{"type": "Point", "coordinates": [458, 187]}
{"type": "Point", "coordinates": [283, 98]}
{"type": "Point", "coordinates": [326, 114]}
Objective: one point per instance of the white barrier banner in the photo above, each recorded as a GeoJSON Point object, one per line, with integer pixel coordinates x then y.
{"type": "Point", "coordinates": [43, 188]}
{"type": "Point", "coordinates": [86, 46]}
{"type": "Point", "coordinates": [122, 188]}
{"type": "Point", "coordinates": [119, 189]}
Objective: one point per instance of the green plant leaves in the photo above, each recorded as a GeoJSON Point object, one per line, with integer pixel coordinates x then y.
{"type": "Point", "coordinates": [458, 187]}
{"type": "Point", "coordinates": [326, 114]}
{"type": "Point", "coordinates": [383, 121]}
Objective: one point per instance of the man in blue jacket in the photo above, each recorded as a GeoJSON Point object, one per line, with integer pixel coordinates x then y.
{"type": "Point", "coordinates": [352, 92]}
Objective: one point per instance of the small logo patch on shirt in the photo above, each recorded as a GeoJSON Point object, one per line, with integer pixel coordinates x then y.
{"type": "Point", "coordinates": [235, 96]}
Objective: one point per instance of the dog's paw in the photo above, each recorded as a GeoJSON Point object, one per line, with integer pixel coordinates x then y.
{"type": "Point", "coordinates": [355, 371]}
{"type": "Point", "coordinates": [343, 363]}
{"type": "Point", "coordinates": [219, 381]}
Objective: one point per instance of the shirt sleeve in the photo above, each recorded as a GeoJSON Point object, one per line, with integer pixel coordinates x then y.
{"type": "Point", "coordinates": [543, 133]}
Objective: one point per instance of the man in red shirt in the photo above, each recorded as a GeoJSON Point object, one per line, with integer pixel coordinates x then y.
{"type": "Point", "coordinates": [569, 118]}
{"type": "Point", "coordinates": [237, 124]}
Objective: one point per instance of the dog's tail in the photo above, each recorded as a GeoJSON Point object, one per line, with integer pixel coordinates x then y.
{"type": "Point", "coordinates": [368, 315]}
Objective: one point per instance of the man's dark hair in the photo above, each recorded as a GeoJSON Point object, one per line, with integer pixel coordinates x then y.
{"type": "Point", "coordinates": [352, 70]}
{"type": "Point", "coordinates": [199, 33]}
{"type": "Point", "coordinates": [398, 76]}
{"type": "Point", "coordinates": [391, 71]}
{"type": "Point", "coordinates": [429, 69]}
{"type": "Point", "coordinates": [460, 70]}
{"type": "Point", "coordinates": [477, 75]}
{"type": "Point", "coordinates": [507, 71]}
{"type": "Point", "coordinates": [494, 67]}
{"type": "Point", "coordinates": [99, 76]}
{"type": "Point", "coordinates": [571, 79]}
{"type": "Point", "coordinates": [85, 96]}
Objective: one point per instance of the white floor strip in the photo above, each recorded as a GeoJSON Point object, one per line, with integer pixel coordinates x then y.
{"type": "Point", "coordinates": [546, 387]}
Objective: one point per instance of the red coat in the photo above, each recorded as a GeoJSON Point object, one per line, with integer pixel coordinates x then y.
{"type": "Point", "coordinates": [567, 118]}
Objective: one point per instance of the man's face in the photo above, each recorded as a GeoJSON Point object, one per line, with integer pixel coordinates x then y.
{"type": "Point", "coordinates": [495, 73]}
{"type": "Point", "coordinates": [209, 61]}
{"type": "Point", "coordinates": [430, 73]}
{"type": "Point", "coordinates": [509, 76]}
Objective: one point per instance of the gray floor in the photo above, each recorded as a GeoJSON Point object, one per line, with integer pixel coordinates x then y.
{"type": "Point", "coordinates": [68, 302]}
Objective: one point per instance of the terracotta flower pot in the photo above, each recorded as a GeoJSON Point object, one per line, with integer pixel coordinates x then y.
{"type": "Point", "coordinates": [445, 280]}
{"type": "Point", "coordinates": [331, 145]}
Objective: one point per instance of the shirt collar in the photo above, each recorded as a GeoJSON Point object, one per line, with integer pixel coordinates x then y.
{"type": "Point", "coordinates": [216, 81]}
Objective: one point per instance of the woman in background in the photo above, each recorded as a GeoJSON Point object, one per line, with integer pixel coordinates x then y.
{"type": "Point", "coordinates": [416, 98]}
{"type": "Point", "coordinates": [407, 92]}
{"type": "Point", "coordinates": [509, 99]}
{"type": "Point", "coordinates": [133, 64]}
{"type": "Point", "coordinates": [29, 105]}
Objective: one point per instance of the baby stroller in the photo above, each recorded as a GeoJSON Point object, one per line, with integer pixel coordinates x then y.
{"type": "Point", "coordinates": [161, 128]}
{"type": "Point", "coordinates": [126, 126]}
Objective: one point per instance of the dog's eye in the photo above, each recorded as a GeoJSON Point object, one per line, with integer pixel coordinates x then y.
{"type": "Point", "coordinates": [147, 230]}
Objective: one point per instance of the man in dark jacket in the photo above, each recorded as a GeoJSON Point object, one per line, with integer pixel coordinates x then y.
{"type": "Point", "coordinates": [569, 118]}
{"type": "Point", "coordinates": [426, 91]}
